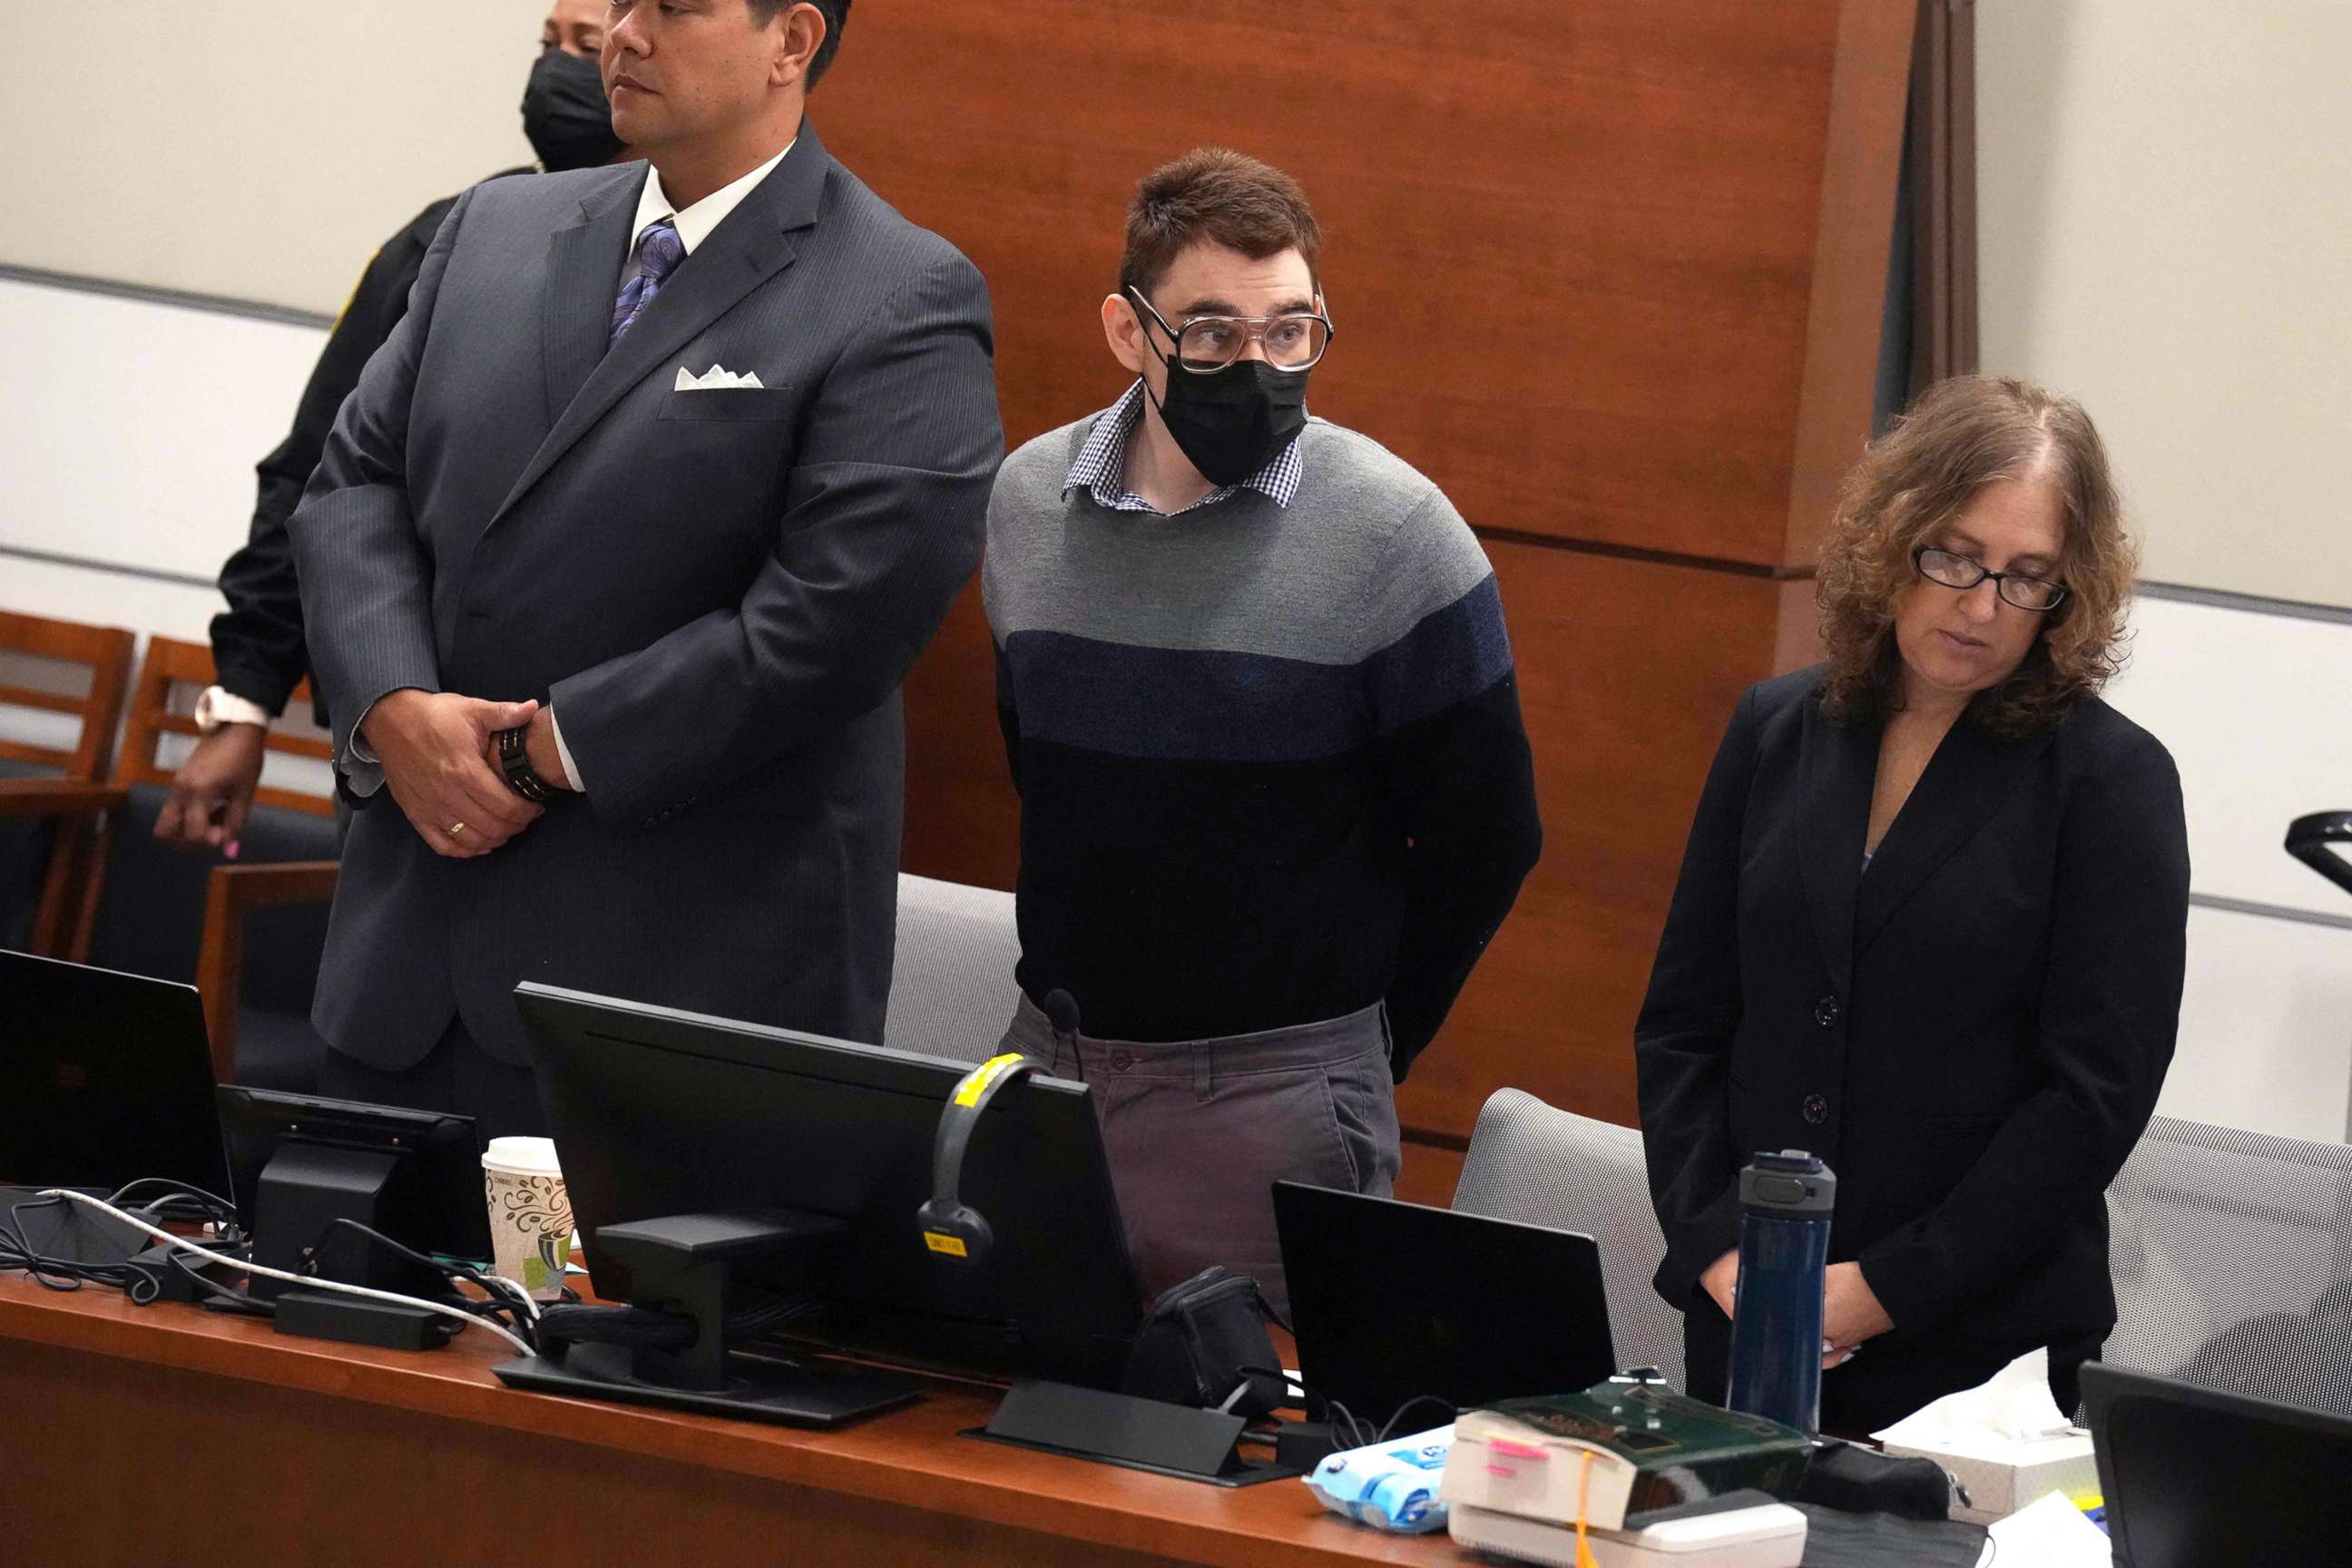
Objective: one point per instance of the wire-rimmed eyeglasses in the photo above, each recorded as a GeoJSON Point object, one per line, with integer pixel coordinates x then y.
{"type": "Point", "coordinates": [1948, 569]}
{"type": "Point", "coordinates": [1205, 344]}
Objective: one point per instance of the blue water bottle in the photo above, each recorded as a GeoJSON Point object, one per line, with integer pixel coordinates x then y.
{"type": "Point", "coordinates": [1785, 1202]}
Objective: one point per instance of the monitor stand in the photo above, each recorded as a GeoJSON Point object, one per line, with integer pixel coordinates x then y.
{"type": "Point", "coordinates": [1123, 1429]}
{"type": "Point", "coordinates": [681, 1265]}
{"type": "Point", "coordinates": [304, 1188]}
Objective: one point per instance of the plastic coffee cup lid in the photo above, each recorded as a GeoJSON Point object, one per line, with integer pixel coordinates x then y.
{"type": "Point", "coordinates": [523, 1156]}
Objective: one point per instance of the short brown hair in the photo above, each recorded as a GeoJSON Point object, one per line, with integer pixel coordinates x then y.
{"type": "Point", "coordinates": [836, 18]}
{"type": "Point", "coordinates": [1961, 436]}
{"type": "Point", "coordinates": [1217, 195]}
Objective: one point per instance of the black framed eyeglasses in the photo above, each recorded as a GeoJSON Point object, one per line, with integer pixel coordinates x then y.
{"type": "Point", "coordinates": [1948, 569]}
{"type": "Point", "coordinates": [1206, 344]}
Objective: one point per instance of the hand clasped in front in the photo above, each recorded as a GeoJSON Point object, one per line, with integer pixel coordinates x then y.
{"type": "Point", "coordinates": [437, 756]}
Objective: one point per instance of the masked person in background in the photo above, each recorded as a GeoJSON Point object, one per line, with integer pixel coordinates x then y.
{"type": "Point", "coordinates": [258, 655]}
{"type": "Point", "coordinates": [1253, 679]}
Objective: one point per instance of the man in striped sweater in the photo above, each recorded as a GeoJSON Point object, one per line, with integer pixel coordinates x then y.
{"type": "Point", "coordinates": [1258, 701]}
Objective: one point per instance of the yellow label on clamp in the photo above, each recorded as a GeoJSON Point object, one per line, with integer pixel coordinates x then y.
{"type": "Point", "coordinates": [952, 1245]}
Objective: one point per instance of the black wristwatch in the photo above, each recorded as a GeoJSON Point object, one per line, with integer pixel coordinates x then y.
{"type": "Point", "coordinates": [514, 761]}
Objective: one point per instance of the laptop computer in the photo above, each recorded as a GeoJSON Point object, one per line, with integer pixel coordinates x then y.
{"type": "Point", "coordinates": [2194, 1475]}
{"type": "Point", "coordinates": [104, 1079]}
{"type": "Point", "coordinates": [1393, 1300]}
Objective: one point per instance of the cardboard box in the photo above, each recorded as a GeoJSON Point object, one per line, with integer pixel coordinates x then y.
{"type": "Point", "coordinates": [2003, 1475]}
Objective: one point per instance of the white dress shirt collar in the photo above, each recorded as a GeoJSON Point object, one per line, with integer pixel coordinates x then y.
{"type": "Point", "coordinates": [695, 224]}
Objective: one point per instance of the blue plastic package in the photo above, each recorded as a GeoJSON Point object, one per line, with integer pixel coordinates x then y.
{"type": "Point", "coordinates": [1391, 1485]}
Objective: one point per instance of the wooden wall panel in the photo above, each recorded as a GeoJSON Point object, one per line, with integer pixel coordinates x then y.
{"type": "Point", "coordinates": [1429, 1175]}
{"type": "Point", "coordinates": [1628, 673]}
{"type": "Point", "coordinates": [962, 817]}
{"type": "Point", "coordinates": [1571, 241]}
{"type": "Point", "coordinates": [1611, 274]}
{"type": "Point", "coordinates": [1846, 310]}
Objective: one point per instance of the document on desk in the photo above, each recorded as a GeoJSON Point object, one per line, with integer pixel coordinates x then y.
{"type": "Point", "coordinates": [2052, 1533]}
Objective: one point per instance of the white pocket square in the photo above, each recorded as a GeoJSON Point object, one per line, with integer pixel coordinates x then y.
{"type": "Point", "coordinates": [716, 379]}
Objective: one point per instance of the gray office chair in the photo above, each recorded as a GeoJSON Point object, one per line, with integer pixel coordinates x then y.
{"type": "Point", "coordinates": [951, 988]}
{"type": "Point", "coordinates": [2232, 1256]}
{"type": "Point", "coordinates": [1531, 1162]}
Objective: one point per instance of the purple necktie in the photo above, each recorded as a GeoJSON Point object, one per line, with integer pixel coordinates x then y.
{"type": "Point", "coordinates": [660, 250]}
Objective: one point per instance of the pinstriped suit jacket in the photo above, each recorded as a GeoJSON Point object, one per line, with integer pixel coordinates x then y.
{"type": "Point", "coordinates": [719, 591]}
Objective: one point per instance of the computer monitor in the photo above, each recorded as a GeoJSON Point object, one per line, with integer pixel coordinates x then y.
{"type": "Point", "coordinates": [104, 1079]}
{"type": "Point", "coordinates": [2194, 1475]}
{"type": "Point", "coordinates": [661, 1113]}
{"type": "Point", "coordinates": [1394, 1300]}
{"type": "Point", "coordinates": [298, 1163]}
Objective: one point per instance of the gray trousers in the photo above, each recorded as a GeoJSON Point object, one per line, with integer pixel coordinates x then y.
{"type": "Point", "coordinates": [1198, 1132]}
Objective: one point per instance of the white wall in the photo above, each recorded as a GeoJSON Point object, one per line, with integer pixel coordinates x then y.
{"type": "Point", "coordinates": [128, 434]}
{"type": "Point", "coordinates": [2164, 231]}
{"type": "Point", "coordinates": [2265, 1026]}
{"type": "Point", "coordinates": [258, 149]}
{"type": "Point", "coordinates": [131, 428]}
{"type": "Point", "coordinates": [171, 609]}
{"type": "Point", "coordinates": [2257, 711]}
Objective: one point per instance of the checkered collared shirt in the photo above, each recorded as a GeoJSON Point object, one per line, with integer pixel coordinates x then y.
{"type": "Point", "coordinates": [1101, 467]}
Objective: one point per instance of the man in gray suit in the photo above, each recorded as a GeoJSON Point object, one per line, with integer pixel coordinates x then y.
{"type": "Point", "coordinates": [613, 565]}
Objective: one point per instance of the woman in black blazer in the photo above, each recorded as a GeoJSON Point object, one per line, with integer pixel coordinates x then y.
{"type": "Point", "coordinates": [1929, 924]}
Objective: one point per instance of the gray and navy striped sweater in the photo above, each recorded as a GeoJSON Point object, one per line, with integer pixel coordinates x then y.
{"type": "Point", "coordinates": [1270, 760]}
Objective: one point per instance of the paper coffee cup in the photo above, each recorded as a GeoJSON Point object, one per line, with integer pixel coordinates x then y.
{"type": "Point", "coordinates": [531, 1215]}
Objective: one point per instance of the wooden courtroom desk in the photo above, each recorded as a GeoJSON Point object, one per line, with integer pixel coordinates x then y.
{"type": "Point", "coordinates": [168, 1435]}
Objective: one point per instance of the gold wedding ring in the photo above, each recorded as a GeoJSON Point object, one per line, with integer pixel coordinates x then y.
{"type": "Point", "coordinates": [455, 829]}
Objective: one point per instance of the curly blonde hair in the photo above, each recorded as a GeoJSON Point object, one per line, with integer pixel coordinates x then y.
{"type": "Point", "coordinates": [1959, 436]}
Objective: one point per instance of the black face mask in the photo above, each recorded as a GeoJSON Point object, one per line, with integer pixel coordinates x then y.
{"type": "Point", "coordinates": [565, 115]}
{"type": "Point", "coordinates": [1233, 421]}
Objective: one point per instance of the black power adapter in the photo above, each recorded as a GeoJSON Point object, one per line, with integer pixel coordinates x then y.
{"type": "Point", "coordinates": [173, 1281]}
{"type": "Point", "coordinates": [362, 1321]}
{"type": "Point", "coordinates": [1303, 1444]}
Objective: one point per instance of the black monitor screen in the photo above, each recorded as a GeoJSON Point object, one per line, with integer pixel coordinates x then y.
{"type": "Point", "coordinates": [431, 1199]}
{"type": "Point", "coordinates": [658, 1113]}
{"type": "Point", "coordinates": [2194, 1476]}
{"type": "Point", "coordinates": [104, 1079]}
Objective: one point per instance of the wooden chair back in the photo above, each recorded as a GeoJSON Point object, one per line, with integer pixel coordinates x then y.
{"type": "Point", "coordinates": [104, 654]}
{"type": "Point", "coordinates": [162, 700]}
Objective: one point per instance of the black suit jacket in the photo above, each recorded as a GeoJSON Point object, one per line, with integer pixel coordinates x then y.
{"type": "Point", "coordinates": [258, 641]}
{"type": "Point", "coordinates": [1972, 1032]}
{"type": "Point", "coordinates": [718, 590]}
